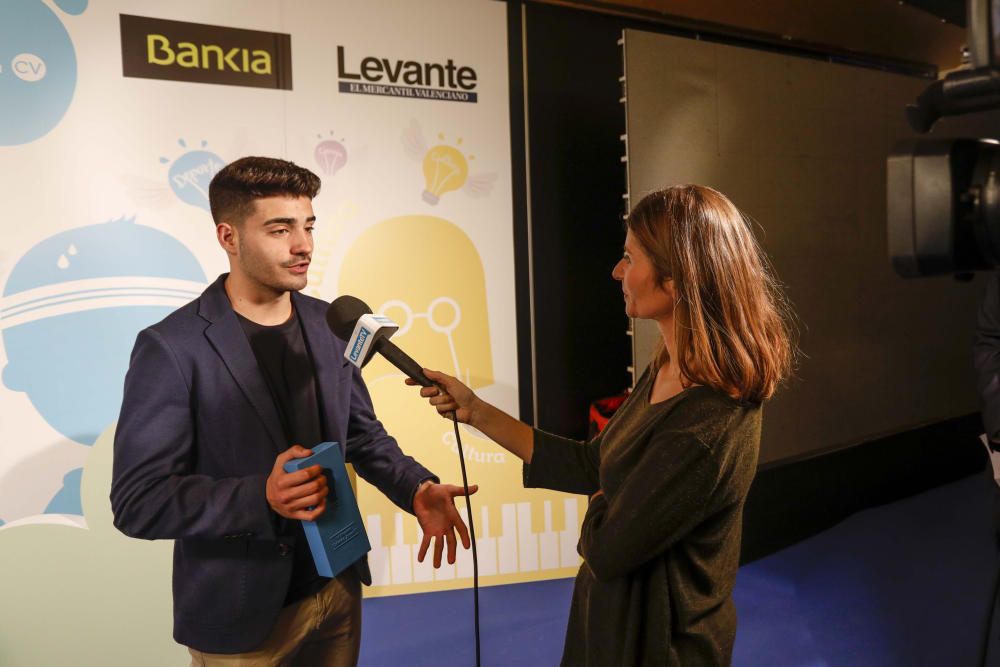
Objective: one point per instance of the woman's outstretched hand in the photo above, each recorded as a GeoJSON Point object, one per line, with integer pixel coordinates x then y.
{"type": "Point", "coordinates": [449, 395]}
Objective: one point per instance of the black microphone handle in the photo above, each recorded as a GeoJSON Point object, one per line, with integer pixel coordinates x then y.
{"type": "Point", "coordinates": [402, 361]}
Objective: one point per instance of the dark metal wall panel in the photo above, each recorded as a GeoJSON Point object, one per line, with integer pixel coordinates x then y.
{"type": "Point", "coordinates": [576, 182]}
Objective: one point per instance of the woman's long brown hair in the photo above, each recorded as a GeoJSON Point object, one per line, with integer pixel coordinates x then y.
{"type": "Point", "coordinates": [732, 323]}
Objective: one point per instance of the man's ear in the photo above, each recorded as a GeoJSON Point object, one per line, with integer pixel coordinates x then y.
{"type": "Point", "coordinates": [227, 236]}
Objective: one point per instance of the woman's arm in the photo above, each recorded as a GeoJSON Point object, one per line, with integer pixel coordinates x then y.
{"type": "Point", "coordinates": [450, 395]}
{"type": "Point", "coordinates": [665, 495]}
{"type": "Point", "coordinates": [551, 462]}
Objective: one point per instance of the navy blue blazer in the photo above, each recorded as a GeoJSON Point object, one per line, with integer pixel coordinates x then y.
{"type": "Point", "coordinates": [196, 439]}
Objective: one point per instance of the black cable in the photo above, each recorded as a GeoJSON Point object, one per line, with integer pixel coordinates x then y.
{"type": "Point", "coordinates": [984, 650]}
{"type": "Point", "coordinates": [472, 533]}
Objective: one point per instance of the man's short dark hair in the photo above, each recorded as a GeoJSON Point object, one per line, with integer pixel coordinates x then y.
{"type": "Point", "coordinates": [235, 187]}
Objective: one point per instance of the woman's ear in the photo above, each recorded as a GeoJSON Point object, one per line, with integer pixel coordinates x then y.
{"type": "Point", "coordinates": [669, 286]}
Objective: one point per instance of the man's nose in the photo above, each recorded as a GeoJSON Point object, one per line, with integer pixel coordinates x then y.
{"type": "Point", "coordinates": [302, 243]}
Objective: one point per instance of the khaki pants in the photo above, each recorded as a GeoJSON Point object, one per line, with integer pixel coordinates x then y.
{"type": "Point", "coordinates": [322, 630]}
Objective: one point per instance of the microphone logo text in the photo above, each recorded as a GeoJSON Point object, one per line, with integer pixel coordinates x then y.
{"type": "Point", "coordinates": [359, 344]}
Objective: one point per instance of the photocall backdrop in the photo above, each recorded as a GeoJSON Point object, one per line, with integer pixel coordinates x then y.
{"type": "Point", "coordinates": [115, 115]}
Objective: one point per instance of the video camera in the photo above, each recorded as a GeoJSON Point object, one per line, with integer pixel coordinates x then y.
{"type": "Point", "coordinates": [944, 194]}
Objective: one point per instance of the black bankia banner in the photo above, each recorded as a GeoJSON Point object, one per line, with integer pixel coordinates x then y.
{"type": "Point", "coordinates": [199, 53]}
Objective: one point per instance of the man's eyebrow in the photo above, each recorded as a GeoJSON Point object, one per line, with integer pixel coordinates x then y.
{"type": "Point", "coordinates": [287, 221]}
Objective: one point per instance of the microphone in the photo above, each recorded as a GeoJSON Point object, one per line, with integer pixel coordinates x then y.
{"type": "Point", "coordinates": [352, 321]}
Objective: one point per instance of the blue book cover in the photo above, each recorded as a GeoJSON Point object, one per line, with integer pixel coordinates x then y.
{"type": "Point", "coordinates": [337, 538]}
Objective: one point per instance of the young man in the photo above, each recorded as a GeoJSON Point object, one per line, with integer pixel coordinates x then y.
{"type": "Point", "coordinates": [218, 396]}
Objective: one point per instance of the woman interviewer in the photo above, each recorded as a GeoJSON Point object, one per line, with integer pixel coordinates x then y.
{"type": "Point", "coordinates": [669, 474]}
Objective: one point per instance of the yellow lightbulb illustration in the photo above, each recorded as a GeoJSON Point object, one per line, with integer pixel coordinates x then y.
{"type": "Point", "coordinates": [445, 169]}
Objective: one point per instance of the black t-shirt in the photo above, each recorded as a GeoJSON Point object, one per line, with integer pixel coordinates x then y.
{"type": "Point", "coordinates": [287, 367]}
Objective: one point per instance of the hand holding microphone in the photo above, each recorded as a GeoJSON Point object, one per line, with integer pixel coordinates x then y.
{"type": "Point", "coordinates": [449, 395]}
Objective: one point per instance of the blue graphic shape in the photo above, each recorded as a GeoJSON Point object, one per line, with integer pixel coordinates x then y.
{"type": "Point", "coordinates": [72, 365]}
{"type": "Point", "coordinates": [74, 7]}
{"type": "Point", "coordinates": [37, 68]}
{"type": "Point", "coordinates": [107, 250]}
{"type": "Point", "coordinates": [191, 173]}
{"type": "Point", "coordinates": [68, 499]}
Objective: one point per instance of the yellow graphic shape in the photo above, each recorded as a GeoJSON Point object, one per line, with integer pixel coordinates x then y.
{"type": "Point", "coordinates": [523, 534]}
{"type": "Point", "coordinates": [425, 274]}
{"type": "Point", "coordinates": [445, 170]}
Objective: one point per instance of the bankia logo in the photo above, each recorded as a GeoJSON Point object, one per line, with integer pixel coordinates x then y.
{"type": "Point", "coordinates": [200, 53]}
{"type": "Point", "coordinates": [372, 75]}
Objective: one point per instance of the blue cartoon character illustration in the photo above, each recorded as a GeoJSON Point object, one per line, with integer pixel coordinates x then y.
{"type": "Point", "coordinates": [37, 68]}
{"type": "Point", "coordinates": [72, 306]}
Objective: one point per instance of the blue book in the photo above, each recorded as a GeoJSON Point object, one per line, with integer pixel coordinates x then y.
{"type": "Point", "coordinates": [337, 538]}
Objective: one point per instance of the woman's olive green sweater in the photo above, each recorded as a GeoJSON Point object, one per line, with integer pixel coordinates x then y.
{"type": "Point", "coordinates": [661, 545]}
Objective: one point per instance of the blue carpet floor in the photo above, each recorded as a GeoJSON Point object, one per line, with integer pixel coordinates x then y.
{"type": "Point", "coordinates": [906, 584]}
{"type": "Point", "coordinates": [903, 585]}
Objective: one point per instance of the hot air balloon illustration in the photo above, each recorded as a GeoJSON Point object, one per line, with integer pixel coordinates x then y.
{"type": "Point", "coordinates": [330, 155]}
{"type": "Point", "coordinates": [190, 174]}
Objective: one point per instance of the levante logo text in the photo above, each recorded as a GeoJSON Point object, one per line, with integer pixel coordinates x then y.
{"type": "Point", "coordinates": [407, 78]}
